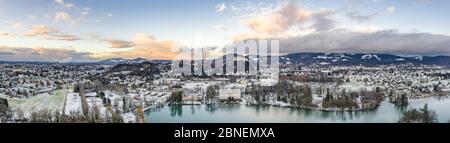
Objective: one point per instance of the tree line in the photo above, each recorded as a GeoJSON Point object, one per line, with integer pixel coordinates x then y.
{"type": "Point", "coordinates": [422, 115]}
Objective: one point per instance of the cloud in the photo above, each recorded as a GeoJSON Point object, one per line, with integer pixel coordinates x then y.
{"type": "Point", "coordinates": [4, 34]}
{"type": "Point", "coordinates": [85, 13]}
{"type": "Point", "coordinates": [391, 9]}
{"type": "Point", "coordinates": [144, 46]}
{"type": "Point", "coordinates": [31, 16]}
{"type": "Point", "coordinates": [220, 7]}
{"type": "Point", "coordinates": [387, 41]}
{"type": "Point", "coordinates": [272, 23]}
{"type": "Point", "coordinates": [356, 16]}
{"type": "Point", "coordinates": [64, 37]}
{"type": "Point", "coordinates": [221, 27]}
{"type": "Point", "coordinates": [249, 35]}
{"type": "Point", "coordinates": [120, 43]}
{"type": "Point", "coordinates": [287, 20]}
{"type": "Point", "coordinates": [323, 22]}
{"type": "Point", "coordinates": [366, 29]}
{"type": "Point", "coordinates": [153, 48]}
{"type": "Point", "coordinates": [42, 54]}
{"type": "Point", "coordinates": [15, 24]}
{"type": "Point", "coordinates": [40, 30]}
{"type": "Point", "coordinates": [64, 4]}
{"type": "Point", "coordinates": [6, 53]}
{"type": "Point", "coordinates": [278, 21]}
{"type": "Point", "coordinates": [50, 33]}
{"type": "Point", "coordinates": [62, 16]}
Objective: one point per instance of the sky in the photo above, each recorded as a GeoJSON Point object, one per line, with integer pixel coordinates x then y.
{"type": "Point", "coordinates": [92, 30]}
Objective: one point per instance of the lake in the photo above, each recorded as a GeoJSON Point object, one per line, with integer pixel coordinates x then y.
{"type": "Point", "coordinates": [385, 113]}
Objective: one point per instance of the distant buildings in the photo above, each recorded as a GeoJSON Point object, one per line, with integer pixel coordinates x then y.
{"type": "Point", "coordinates": [226, 94]}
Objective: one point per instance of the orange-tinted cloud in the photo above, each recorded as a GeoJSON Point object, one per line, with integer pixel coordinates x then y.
{"type": "Point", "coordinates": [64, 37]}
{"type": "Point", "coordinates": [62, 16]}
{"type": "Point", "coordinates": [285, 21]}
{"type": "Point", "coordinates": [4, 34]}
{"type": "Point", "coordinates": [15, 24]}
{"type": "Point", "coordinates": [40, 30]}
{"type": "Point", "coordinates": [42, 54]}
{"type": "Point", "coordinates": [278, 21]}
{"type": "Point", "coordinates": [144, 46]}
{"type": "Point", "coordinates": [50, 33]}
{"type": "Point", "coordinates": [272, 23]}
{"type": "Point", "coordinates": [120, 43]}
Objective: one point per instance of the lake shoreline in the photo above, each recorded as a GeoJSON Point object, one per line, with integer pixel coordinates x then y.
{"type": "Point", "coordinates": [385, 112]}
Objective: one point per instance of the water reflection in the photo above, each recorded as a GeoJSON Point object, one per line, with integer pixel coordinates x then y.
{"type": "Point", "coordinates": [260, 108]}
{"type": "Point", "coordinates": [306, 112]}
{"type": "Point", "coordinates": [225, 113]}
{"type": "Point", "coordinates": [400, 108]}
{"type": "Point", "coordinates": [230, 107]}
{"type": "Point", "coordinates": [176, 110]}
{"type": "Point", "coordinates": [211, 108]}
{"type": "Point", "coordinates": [192, 110]}
{"type": "Point", "coordinates": [442, 98]}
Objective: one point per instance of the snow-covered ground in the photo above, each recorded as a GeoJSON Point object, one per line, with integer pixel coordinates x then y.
{"type": "Point", "coordinates": [53, 102]}
{"type": "Point", "coordinates": [73, 104]}
{"type": "Point", "coordinates": [129, 117]}
{"type": "Point", "coordinates": [356, 87]}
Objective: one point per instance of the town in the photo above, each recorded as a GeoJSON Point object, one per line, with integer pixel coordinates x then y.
{"type": "Point", "coordinates": [122, 93]}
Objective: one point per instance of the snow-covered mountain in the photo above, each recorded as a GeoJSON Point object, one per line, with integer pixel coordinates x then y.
{"type": "Point", "coordinates": [362, 59]}
{"type": "Point", "coordinates": [115, 61]}
{"type": "Point", "coordinates": [324, 59]}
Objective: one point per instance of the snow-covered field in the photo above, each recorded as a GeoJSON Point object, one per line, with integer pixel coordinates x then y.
{"type": "Point", "coordinates": [54, 102]}
{"type": "Point", "coordinates": [73, 104]}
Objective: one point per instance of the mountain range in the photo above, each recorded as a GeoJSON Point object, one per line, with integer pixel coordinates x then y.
{"type": "Point", "coordinates": [362, 59]}
{"type": "Point", "coordinates": [115, 61]}
{"type": "Point", "coordinates": [303, 58]}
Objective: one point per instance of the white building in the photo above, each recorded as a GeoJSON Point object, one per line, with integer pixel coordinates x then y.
{"type": "Point", "coordinates": [225, 94]}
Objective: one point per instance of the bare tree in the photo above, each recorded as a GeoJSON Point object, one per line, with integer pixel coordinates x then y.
{"type": "Point", "coordinates": [84, 104]}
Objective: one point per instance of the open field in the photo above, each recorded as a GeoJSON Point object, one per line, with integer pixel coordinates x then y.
{"type": "Point", "coordinates": [54, 101]}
